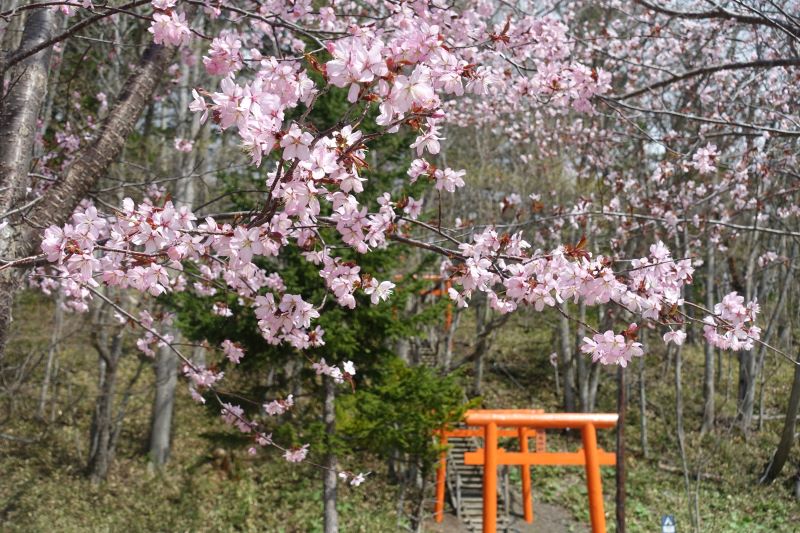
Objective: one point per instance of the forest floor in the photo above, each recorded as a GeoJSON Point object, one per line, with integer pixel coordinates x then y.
{"type": "Point", "coordinates": [548, 518]}
{"type": "Point", "coordinates": [42, 486]}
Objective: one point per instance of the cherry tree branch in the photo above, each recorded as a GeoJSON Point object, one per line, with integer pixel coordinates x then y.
{"type": "Point", "coordinates": [688, 116]}
{"type": "Point", "coordinates": [23, 54]}
{"type": "Point", "coordinates": [719, 13]}
{"type": "Point", "coordinates": [760, 64]}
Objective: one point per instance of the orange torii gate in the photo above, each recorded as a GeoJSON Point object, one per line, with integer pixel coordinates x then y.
{"type": "Point", "coordinates": [528, 419]}
{"type": "Point", "coordinates": [522, 433]}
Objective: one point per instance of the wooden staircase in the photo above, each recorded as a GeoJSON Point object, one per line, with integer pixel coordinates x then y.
{"type": "Point", "coordinates": [465, 487]}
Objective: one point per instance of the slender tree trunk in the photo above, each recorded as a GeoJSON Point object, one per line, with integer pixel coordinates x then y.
{"type": "Point", "coordinates": [761, 413]}
{"type": "Point", "coordinates": [680, 431]}
{"type": "Point", "coordinates": [709, 415]}
{"type": "Point", "coordinates": [747, 362]}
{"type": "Point", "coordinates": [595, 372]}
{"type": "Point", "coordinates": [167, 361]}
{"type": "Point", "coordinates": [583, 362]}
{"type": "Point", "coordinates": [481, 316]}
{"type": "Point", "coordinates": [568, 364]}
{"type": "Point", "coordinates": [55, 337]}
{"type": "Point", "coordinates": [163, 406]}
{"type": "Point", "coordinates": [329, 474]}
{"type": "Point", "coordinates": [419, 510]}
{"type": "Point", "coordinates": [747, 379]}
{"type": "Point", "coordinates": [778, 310]}
{"type": "Point", "coordinates": [622, 406]}
{"type": "Point", "coordinates": [781, 454]}
{"type": "Point", "coordinates": [643, 409]}
{"type": "Point", "coordinates": [101, 448]}
{"type": "Point", "coordinates": [449, 337]}
{"type": "Point", "coordinates": [797, 484]}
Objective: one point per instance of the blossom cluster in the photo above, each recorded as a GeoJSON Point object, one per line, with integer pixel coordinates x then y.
{"type": "Point", "coordinates": [610, 348]}
{"type": "Point", "coordinates": [732, 326]}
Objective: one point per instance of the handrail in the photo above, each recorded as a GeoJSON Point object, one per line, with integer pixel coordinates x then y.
{"type": "Point", "coordinates": [458, 495]}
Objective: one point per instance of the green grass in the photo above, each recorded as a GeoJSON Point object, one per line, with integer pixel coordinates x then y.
{"type": "Point", "coordinates": [43, 490]}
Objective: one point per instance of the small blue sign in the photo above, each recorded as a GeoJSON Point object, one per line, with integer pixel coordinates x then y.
{"type": "Point", "coordinates": [668, 524]}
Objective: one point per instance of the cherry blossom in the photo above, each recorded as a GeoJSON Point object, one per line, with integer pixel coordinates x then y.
{"type": "Point", "coordinates": [233, 351]}
{"type": "Point", "coordinates": [278, 407]}
{"type": "Point", "coordinates": [677, 336]}
{"type": "Point", "coordinates": [170, 29]}
{"type": "Point", "coordinates": [296, 455]}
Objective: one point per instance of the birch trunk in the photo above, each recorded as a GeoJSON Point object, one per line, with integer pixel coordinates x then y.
{"type": "Point", "coordinates": [747, 362]}
{"type": "Point", "coordinates": [329, 474]}
{"type": "Point", "coordinates": [163, 406]}
{"type": "Point", "coordinates": [101, 440]}
{"type": "Point", "coordinates": [58, 324]}
{"type": "Point", "coordinates": [709, 415]}
{"type": "Point", "coordinates": [568, 364]}
{"type": "Point", "coordinates": [19, 110]}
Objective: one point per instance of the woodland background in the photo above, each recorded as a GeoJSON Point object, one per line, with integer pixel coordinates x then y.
{"type": "Point", "coordinates": [96, 436]}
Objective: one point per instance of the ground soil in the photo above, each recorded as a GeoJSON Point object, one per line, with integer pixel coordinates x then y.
{"type": "Point", "coordinates": [547, 519]}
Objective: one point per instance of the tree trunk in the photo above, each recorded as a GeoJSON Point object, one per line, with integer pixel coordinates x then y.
{"type": "Point", "coordinates": [643, 410]}
{"type": "Point", "coordinates": [781, 454]}
{"type": "Point", "coordinates": [709, 415]}
{"type": "Point", "coordinates": [55, 337]}
{"type": "Point", "coordinates": [747, 362]}
{"type": "Point", "coordinates": [163, 406]}
{"type": "Point", "coordinates": [19, 110]}
{"type": "Point", "coordinates": [21, 106]}
{"type": "Point", "coordinates": [747, 389]}
{"type": "Point", "coordinates": [595, 371]}
{"type": "Point", "coordinates": [766, 336]}
{"type": "Point", "coordinates": [583, 362]}
{"type": "Point", "coordinates": [101, 445]}
{"type": "Point", "coordinates": [568, 364]}
{"type": "Point", "coordinates": [622, 406]}
{"type": "Point", "coordinates": [481, 344]}
{"type": "Point", "coordinates": [11, 29]}
{"type": "Point", "coordinates": [680, 431]}
{"type": "Point", "coordinates": [329, 474]}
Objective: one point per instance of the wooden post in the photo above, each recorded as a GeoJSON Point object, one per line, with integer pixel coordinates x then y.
{"type": "Point", "coordinates": [490, 479]}
{"type": "Point", "coordinates": [593, 481]}
{"type": "Point", "coordinates": [527, 499]}
{"type": "Point", "coordinates": [441, 475]}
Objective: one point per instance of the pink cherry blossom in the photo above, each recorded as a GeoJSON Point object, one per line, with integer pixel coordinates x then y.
{"type": "Point", "coordinates": [296, 455]}
{"type": "Point", "coordinates": [170, 29]}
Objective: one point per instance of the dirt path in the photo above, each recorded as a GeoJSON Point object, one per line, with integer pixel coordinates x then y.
{"type": "Point", "coordinates": [547, 519]}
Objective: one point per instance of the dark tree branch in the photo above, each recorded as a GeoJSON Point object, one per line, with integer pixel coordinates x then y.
{"type": "Point", "coordinates": [718, 13]}
{"type": "Point", "coordinates": [762, 64]}
{"type": "Point", "coordinates": [21, 54]}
